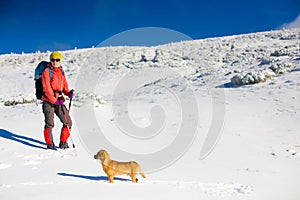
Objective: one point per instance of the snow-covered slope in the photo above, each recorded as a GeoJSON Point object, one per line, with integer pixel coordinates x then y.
{"type": "Point", "coordinates": [207, 119]}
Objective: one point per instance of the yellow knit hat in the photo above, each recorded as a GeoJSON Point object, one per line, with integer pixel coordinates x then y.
{"type": "Point", "coordinates": [56, 54]}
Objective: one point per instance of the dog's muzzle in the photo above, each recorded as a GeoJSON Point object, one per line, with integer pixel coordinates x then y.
{"type": "Point", "coordinates": [95, 156]}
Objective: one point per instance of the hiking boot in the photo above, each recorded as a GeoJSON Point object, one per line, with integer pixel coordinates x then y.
{"type": "Point", "coordinates": [51, 146]}
{"type": "Point", "coordinates": [63, 145]}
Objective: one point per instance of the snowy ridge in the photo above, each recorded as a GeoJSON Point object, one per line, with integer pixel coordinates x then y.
{"type": "Point", "coordinates": [247, 59]}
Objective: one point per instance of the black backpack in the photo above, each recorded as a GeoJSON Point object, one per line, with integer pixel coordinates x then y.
{"type": "Point", "coordinates": [39, 92]}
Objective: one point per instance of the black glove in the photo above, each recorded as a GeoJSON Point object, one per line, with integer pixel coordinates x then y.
{"type": "Point", "coordinates": [71, 94]}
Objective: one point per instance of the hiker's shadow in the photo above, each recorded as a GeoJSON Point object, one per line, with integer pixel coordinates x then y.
{"type": "Point", "coordinates": [92, 178]}
{"type": "Point", "coordinates": [22, 139]}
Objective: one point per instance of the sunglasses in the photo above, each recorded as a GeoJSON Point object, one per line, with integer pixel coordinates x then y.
{"type": "Point", "coordinates": [55, 59]}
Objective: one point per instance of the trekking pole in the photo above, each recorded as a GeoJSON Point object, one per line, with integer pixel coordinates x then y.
{"type": "Point", "coordinates": [70, 103]}
{"type": "Point", "coordinates": [65, 117]}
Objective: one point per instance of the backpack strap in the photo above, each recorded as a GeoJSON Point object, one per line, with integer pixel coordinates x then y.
{"type": "Point", "coordinates": [50, 72]}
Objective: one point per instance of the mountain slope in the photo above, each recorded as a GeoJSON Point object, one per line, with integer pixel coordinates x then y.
{"type": "Point", "coordinates": [174, 108]}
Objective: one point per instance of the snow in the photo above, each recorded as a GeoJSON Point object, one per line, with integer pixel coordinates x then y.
{"type": "Point", "coordinates": [197, 132]}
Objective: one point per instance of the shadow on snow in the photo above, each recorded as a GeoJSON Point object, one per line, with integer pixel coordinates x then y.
{"type": "Point", "coordinates": [92, 178]}
{"type": "Point", "coordinates": [21, 139]}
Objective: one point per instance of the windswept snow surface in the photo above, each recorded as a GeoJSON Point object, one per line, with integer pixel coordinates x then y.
{"type": "Point", "coordinates": [226, 140]}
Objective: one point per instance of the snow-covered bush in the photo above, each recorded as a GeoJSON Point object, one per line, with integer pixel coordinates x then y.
{"type": "Point", "coordinates": [252, 77]}
{"type": "Point", "coordinates": [281, 68]}
{"type": "Point", "coordinates": [260, 76]}
{"type": "Point", "coordinates": [20, 99]}
{"type": "Point", "coordinates": [280, 52]}
{"type": "Point", "coordinates": [266, 61]}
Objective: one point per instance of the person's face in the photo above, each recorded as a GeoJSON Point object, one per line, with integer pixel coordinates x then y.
{"type": "Point", "coordinates": [55, 62]}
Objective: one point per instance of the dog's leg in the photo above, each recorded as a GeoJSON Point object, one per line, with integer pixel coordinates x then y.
{"type": "Point", "coordinates": [111, 179]}
{"type": "Point", "coordinates": [133, 178]}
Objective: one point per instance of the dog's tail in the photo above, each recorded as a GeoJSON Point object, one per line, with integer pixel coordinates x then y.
{"type": "Point", "coordinates": [142, 174]}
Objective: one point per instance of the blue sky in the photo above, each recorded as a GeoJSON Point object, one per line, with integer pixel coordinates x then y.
{"type": "Point", "coordinates": [28, 26]}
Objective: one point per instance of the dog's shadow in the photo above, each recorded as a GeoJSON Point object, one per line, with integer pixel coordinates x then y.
{"type": "Point", "coordinates": [92, 178]}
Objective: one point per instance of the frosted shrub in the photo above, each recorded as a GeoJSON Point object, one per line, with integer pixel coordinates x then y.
{"type": "Point", "coordinates": [266, 61]}
{"type": "Point", "coordinates": [281, 52]}
{"type": "Point", "coordinates": [20, 100]}
{"type": "Point", "coordinates": [281, 68]}
{"type": "Point", "coordinates": [262, 75]}
{"type": "Point", "coordinates": [252, 77]}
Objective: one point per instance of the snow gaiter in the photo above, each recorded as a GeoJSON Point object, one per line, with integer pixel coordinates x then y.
{"type": "Point", "coordinates": [48, 136]}
{"type": "Point", "coordinates": [64, 135]}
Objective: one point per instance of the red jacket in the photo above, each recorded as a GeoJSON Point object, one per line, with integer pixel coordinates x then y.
{"type": "Point", "coordinates": [57, 83]}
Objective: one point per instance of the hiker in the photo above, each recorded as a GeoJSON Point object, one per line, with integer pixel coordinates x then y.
{"type": "Point", "coordinates": [54, 88]}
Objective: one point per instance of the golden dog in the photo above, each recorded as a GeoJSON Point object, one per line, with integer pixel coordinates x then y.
{"type": "Point", "coordinates": [113, 168]}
